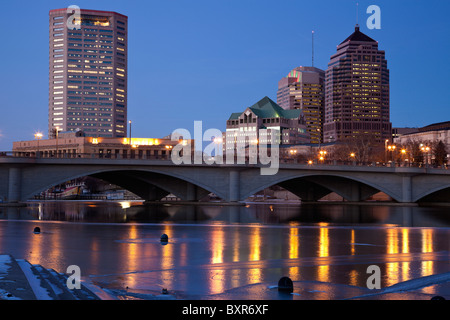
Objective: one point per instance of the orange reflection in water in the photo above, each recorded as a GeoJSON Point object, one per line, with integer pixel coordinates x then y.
{"type": "Point", "coordinates": [167, 258]}
{"type": "Point", "coordinates": [132, 255]}
{"type": "Point", "coordinates": [294, 242]}
{"type": "Point", "coordinates": [427, 266]}
{"type": "Point", "coordinates": [35, 249]}
{"type": "Point", "coordinates": [352, 247]}
{"type": "Point", "coordinates": [236, 246]}
{"type": "Point", "coordinates": [353, 278]}
{"type": "Point", "coordinates": [400, 271]}
{"type": "Point", "coordinates": [218, 238]}
{"type": "Point", "coordinates": [324, 246]}
{"type": "Point", "coordinates": [405, 249]}
{"type": "Point", "coordinates": [254, 274]}
{"type": "Point", "coordinates": [392, 268]}
{"type": "Point", "coordinates": [217, 276]}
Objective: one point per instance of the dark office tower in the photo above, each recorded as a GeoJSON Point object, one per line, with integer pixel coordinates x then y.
{"type": "Point", "coordinates": [357, 92]}
{"type": "Point", "coordinates": [303, 88]}
{"type": "Point", "coordinates": [88, 72]}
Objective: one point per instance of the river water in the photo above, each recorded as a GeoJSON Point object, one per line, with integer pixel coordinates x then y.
{"type": "Point", "coordinates": [236, 252]}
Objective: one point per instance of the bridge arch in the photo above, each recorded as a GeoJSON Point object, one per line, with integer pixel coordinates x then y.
{"type": "Point", "coordinates": [349, 187]}
{"type": "Point", "coordinates": [139, 182]}
{"type": "Point", "coordinates": [440, 193]}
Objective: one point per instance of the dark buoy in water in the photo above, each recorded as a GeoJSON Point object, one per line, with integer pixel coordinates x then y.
{"type": "Point", "coordinates": [37, 230]}
{"type": "Point", "coordinates": [164, 239]}
{"type": "Point", "coordinates": [285, 285]}
{"type": "Point", "coordinates": [437, 298]}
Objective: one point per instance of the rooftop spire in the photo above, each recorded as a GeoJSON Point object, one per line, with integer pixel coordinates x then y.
{"type": "Point", "coordinates": [312, 48]}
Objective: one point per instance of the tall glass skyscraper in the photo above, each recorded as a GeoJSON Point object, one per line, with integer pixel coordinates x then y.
{"type": "Point", "coordinates": [88, 72]}
{"type": "Point", "coordinates": [357, 92]}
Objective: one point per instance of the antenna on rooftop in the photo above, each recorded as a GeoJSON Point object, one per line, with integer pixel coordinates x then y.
{"type": "Point", "coordinates": [312, 48]}
{"type": "Point", "coordinates": [357, 14]}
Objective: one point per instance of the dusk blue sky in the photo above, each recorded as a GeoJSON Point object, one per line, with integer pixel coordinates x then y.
{"type": "Point", "coordinates": [203, 60]}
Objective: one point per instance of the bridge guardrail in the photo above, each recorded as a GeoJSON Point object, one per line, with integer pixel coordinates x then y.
{"type": "Point", "coordinates": [12, 154]}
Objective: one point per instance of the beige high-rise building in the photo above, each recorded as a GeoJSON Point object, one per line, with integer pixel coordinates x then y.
{"type": "Point", "coordinates": [303, 88]}
{"type": "Point", "coordinates": [88, 72]}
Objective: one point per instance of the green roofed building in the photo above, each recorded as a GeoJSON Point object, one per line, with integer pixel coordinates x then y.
{"type": "Point", "coordinates": [257, 124]}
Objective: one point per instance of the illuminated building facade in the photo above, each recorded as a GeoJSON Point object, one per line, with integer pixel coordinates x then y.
{"type": "Point", "coordinates": [357, 92]}
{"type": "Point", "coordinates": [74, 144]}
{"type": "Point", "coordinates": [88, 72]}
{"type": "Point", "coordinates": [247, 127]}
{"type": "Point", "coordinates": [303, 88]}
{"type": "Point", "coordinates": [427, 135]}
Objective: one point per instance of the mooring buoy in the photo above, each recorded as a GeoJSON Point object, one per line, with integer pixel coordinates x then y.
{"type": "Point", "coordinates": [285, 285]}
{"type": "Point", "coordinates": [164, 238]}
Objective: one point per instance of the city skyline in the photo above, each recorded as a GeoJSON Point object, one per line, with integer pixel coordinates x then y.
{"type": "Point", "coordinates": [177, 87]}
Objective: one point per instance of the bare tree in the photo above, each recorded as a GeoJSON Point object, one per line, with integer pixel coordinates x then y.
{"type": "Point", "coordinates": [440, 153]}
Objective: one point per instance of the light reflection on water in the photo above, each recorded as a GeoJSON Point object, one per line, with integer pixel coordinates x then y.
{"type": "Point", "coordinates": [214, 249]}
{"type": "Point", "coordinates": [129, 211]}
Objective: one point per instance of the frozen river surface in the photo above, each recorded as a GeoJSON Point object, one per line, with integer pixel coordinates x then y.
{"type": "Point", "coordinates": [217, 254]}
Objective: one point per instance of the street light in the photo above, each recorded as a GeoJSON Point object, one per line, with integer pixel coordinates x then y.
{"type": "Point", "coordinates": [425, 150]}
{"type": "Point", "coordinates": [322, 153]}
{"type": "Point", "coordinates": [38, 136]}
{"type": "Point", "coordinates": [385, 149]}
{"type": "Point", "coordinates": [392, 149]}
{"type": "Point", "coordinates": [320, 136]}
{"type": "Point", "coordinates": [129, 122]}
{"type": "Point", "coordinates": [403, 151]}
{"type": "Point", "coordinates": [56, 133]}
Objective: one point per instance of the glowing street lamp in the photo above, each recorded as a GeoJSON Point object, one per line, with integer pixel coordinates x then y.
{"type": "Point", "coordinates": [129, 122]}
{"type": "Point", "coordinates": [425, 150]}
{"type": "Point", "coordinates": [392, 149]}
{"type": "Point", "coordinates": [322, 154]}
{"type": "Point", "coordinates": [38, 136]}
{"type": "Point", "coordinates": [57, 129]}
{"type": "Point", "coordinates": [403, 154]}
{"type": "Point", "coordinates": [385, 149]}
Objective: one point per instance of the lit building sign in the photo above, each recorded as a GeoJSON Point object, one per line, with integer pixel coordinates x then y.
{"type": "Point", "coordinates": [88, 20]}
{"type": "Point", "coordinates": [141, 141]}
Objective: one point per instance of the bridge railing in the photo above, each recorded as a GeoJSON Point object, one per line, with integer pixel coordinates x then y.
{"type": "Point", "coordinates": [167, 157]}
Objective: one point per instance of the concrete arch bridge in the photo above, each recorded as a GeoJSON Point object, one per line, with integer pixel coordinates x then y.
{"type": "Point", "coordinates": [22, 178]}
